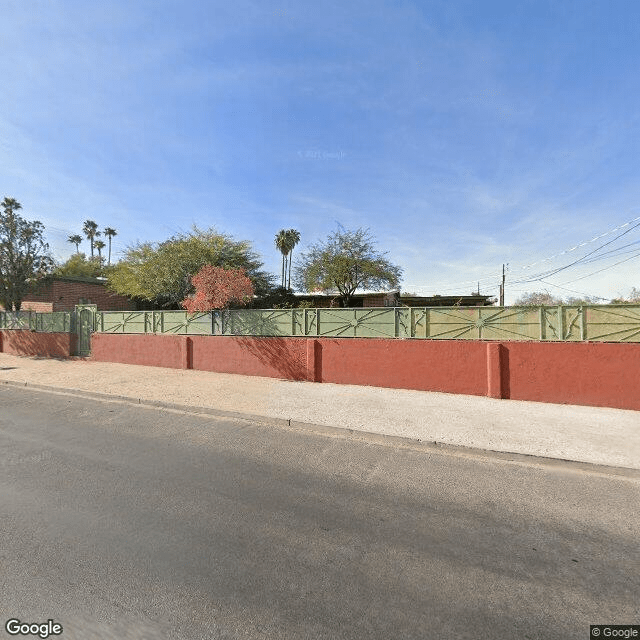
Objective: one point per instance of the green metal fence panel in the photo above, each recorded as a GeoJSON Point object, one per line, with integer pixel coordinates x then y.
{"type": "Point", "coordinates": [603, 323]}
{"type": "Point", "coordinates": [176, 322]}
{"type": "Point", "coordinates": [570, 329]}
{"type": "Point", "coordinates": [259, 322]}
{"type": "Point", "coordinates": [445, 323]}
{"type": "Point", "coordinates": [55, 322]}
{"type": "Point", "coordinates": [182, 323]}
{"type": "Point", "coordinates": [19, 320]}
{"type": "Point", "coordinates": [52, 322]}
{"type": "Point", "coordinates": [310, 322]}
{"type": "Point", "coordinates": [121, 322]}
{"type": "Point", "coordinates": [560, 323]}
{"type": "Point", "coordinates": [298, 322]}
{"type": "Point", "coordinates": [373, 322]}
{"type": "Point", "coordinates": [612, 323]}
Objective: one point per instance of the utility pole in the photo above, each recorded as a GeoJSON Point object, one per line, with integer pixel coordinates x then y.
{"type": "Point", "coordinates": [502, 288]}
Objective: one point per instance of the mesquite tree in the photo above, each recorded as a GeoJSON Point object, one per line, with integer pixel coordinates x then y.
{"type": "Point", "coordinates": [345, 261]}
{"type": "Point", "coordinates": [24, 255]}
{"type": "Point", "coordinates": [161, 273]}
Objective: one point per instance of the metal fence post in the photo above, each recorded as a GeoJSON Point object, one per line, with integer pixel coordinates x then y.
{"type": "Point", "coordinates": [560, 323]}
{"type": "Point", "coordinates": [542, 320]}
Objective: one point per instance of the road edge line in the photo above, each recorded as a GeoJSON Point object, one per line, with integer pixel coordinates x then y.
{"type": "Point", "coordinates": [348, 433]}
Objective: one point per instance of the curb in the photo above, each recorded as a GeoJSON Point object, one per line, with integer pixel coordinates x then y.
{"type": "Point", "coordinates": [157, 404]}
{"type": "Point", "coordinates": [346, 433]}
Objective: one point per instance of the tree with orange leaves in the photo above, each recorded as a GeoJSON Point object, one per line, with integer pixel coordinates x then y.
{"type": "Point", "coordinates": [218, 288]}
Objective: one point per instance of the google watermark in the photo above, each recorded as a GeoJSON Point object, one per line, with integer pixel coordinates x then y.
{"type": "Point", "coordinates": [614, 631]}
{"type": "Point", "coordinates": [313, 154]}
{"type": "Point", "coordinates": [15, 627]}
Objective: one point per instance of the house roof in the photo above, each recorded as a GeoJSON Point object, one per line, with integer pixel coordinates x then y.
{"type": "Point", "coordinates": [357, 293]}
{"type": "Point", "coordinates": [447, 301]}
{"type": "Point", "coordinates": [84, 279]}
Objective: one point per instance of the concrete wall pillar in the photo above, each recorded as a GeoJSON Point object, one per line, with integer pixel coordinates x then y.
{"type": "Point", "coordinates": [313, 356]}
{"type": "Point", "coordinates": [186, 353]}
{"type": "Point", "coordinates": [495, 364]}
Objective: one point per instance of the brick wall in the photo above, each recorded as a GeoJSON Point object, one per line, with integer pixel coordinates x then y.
{"type": "Point", "coordinates": [40, 307]}
{"type": "Point", "coordinates": [380, 300]}
{"type": "Point", "coordinates": [63, 295]}
{"type": "Point", "coordinates": [39, 300]}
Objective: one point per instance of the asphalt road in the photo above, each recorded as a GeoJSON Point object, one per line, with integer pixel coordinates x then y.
{"type": "Point", "coordinates": [119, 521]}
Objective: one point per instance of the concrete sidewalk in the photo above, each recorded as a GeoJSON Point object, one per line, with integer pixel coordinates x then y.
{"type": "Point", "coordinates": [594, 435]}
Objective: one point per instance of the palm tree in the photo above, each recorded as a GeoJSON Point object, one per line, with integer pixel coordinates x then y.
{"type": "Point", "coordinates": [75, 239]}
{"type": "Point", "coordinates": [109, 232]}
{"type": "Point", "coordinates": [90, 229]}
{"type": "Point", "coordinates": [283, 247]}
{"type": "Point", "coordinates": [10, 205]}
{"type": "Point", "coordinates": [99, 245]}
{"type": "Point", "coordinates": [293, 237]}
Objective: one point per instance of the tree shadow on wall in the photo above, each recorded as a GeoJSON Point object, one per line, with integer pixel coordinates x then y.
{"type": "Point", "coordinates": [262, 338]}
{"type": "Point", "coordinates": [25, 342]}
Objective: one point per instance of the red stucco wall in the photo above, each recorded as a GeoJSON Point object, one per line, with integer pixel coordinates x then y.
{"type": "Point", "coordinates": [270, 357]}
{"type": "Point", "coordinates": [598, 374]}
{"type": "Point", "coordinates": [452, 366]}
{"type": "Point", "coordinates": [151, 350]}
{"type": "Point", "coordinates": [22, 342]}
{"type": "Point", "coordinates": [588, 373]}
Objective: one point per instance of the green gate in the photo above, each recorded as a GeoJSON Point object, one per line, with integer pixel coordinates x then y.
{"type": "Point", "coordinates": [85, 325]}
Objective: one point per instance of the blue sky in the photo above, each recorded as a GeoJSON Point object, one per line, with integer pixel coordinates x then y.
{"type": "Point", "coordinates": [463, 134]}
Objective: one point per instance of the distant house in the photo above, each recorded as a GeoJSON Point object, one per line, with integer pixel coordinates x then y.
{"type": "Point", "coordinates": [394, 299]}
{"type": "Point", "coordinates": [474, 300]}
{"type": "Point", "coordinates": [62, 293]}
{"type": "Point", "coordinates": [359, 299]}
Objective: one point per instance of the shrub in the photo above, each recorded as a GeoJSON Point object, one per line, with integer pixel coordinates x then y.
{"type": "Point", "coordinates": [218, 288]}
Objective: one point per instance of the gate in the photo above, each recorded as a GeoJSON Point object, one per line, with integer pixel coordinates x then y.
{"type": "Point", "coordinates": [85, 324]}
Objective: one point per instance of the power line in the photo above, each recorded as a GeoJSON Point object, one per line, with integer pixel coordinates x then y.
{"type": "Point", "coordinates": [453, 286]}
{"type": "Point", "coordinates": [546, 274]}
{"type": "Point", "coordinates": [582, 293]}
{"type": "Point", "coordinates": [587, 275]}
{"type": "Point", "coordinates": [612, 252]}
{"type": "Point", "coordinates": [582, 244]}
{"type": "Point", "coordinates": [603, 269]}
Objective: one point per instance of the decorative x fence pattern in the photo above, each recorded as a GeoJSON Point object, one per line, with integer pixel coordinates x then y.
{"type": "Point", "coordinates": [56, 322]}
{"type": "Point", "coordinates": [605, 323]}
